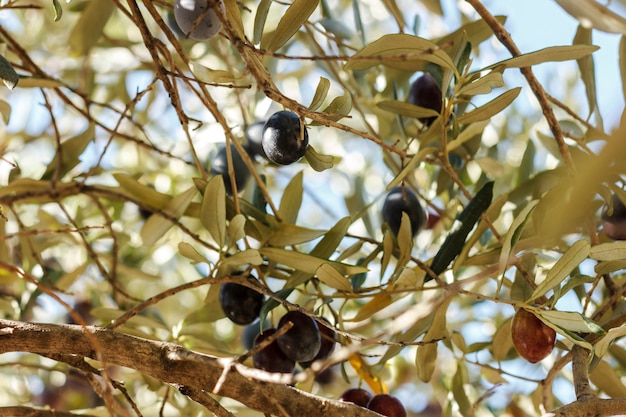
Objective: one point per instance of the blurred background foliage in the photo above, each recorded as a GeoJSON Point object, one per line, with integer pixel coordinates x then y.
{"type": "Point", "coordinates": [108, 140]}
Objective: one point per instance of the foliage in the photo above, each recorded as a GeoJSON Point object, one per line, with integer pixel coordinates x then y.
{"type": "Point", "coordinates": [111, 215]}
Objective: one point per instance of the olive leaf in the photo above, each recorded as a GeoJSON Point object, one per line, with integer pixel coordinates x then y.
{"type": "Point", "coordinates": [403, 108]}
{"type": "Point", "coordinates": [90, 26]}
{"type": "Point", "coordinates": [549, 54]}
{"type": "Point", "coordinates": [156, 226]}
{"type": "Point", "coordinates": [320, 93]}
{"type": "Point", "coordinates": [260, 17]}
{"type": "Point", "coordinates": [612, 251]}
{"type": "Point", "coordinates": [291, 199]}
{"type": "Point", "coordinates": [5, 111]}
{"type": "Point", "coordinates": [563, 267]}
{"type": "Point", "coordinates": [491, 108]}
{"type": "Point", "coordinates": [296, 15]}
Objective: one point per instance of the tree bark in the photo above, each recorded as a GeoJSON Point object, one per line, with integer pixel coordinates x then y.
{"type": "Point", "coordinates": [174, 365]}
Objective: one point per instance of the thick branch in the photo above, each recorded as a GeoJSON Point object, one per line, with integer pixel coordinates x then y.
{"type": "Point", "coordinates": [172, 364]}
{"type": "Point", "coordinates": [596, 407]}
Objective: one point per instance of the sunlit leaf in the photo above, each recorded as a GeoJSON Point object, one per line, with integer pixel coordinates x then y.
{"type": "Point", "coordinates": [5, 111]}
{"type": "Point", "coordinates": [8, 74]}
{"type": "Point", "coordinates": [70, 152]}
{"type": "Point", "coordinates": [467, 134]}
{"type": "Point", "coordinates": [594, 14]}
{"type": "Point", "coordinates": [90, 26]}
{"type": "Point", "coordinates": [189, 252]}
{"type": "Point", "coordinates": [549, 54]}
{"type": "Point", "coordinates": [38, 82]}
{"type": "Point", "coordinates": [213, 209]}
{"type": "Point", "coordinates": [491, 108]}
{"type": "Point", "coordinates": [291, 200]}
{"type": "Point", "coordinates": [587, 67]}
{"type": "Point", "coordinates": [156, 225]}
{"type": "Point", "coordinates": [320, 93]}
{"type": "Point", "coordinates": [502, 341]}
{"type": "Point", "coordinates": [570, 320]}
{"type": "Point", "coordinates": [317, 161]}
{"type": "Point", "coordinates": [514, 232]}
{"type": "Point", "coordinates": [426, 357]}
{"type": "Point", "coordinates": [399, 51]}
{"type": "Point", "coordinates": [605, 378]}
{"type": "Point", "coordinates": [377, 303]}
{"type": "Point", "coordinates": [611, 251]}
{"type": "Point", "coordinates": [289, 234]}
{"type": "Point", "coordinates": [338, 108]}
{"type": "Point", "coordinates": [410, 166]}
{"type": "Point", "coordinates": [296, 15]}
{"type": "Point", "coordinates": [483, 85]}
{"type": "Point", "coordinates": [406, 109]}
{"type": "Point", "coordinates": [603, 345]}
{"type": "Point", "coordinates": [307, 263]}
{"type": "Point", "coordinates": [209, 75]}
{"type": "Point", "coordinates": [563, 267]}
{"type": "Point", "coordinates": [331, 277]}
{"type": "Point", "coordinates": [245, 257]}
{"type": "Point", "coordinates": [260, 18]}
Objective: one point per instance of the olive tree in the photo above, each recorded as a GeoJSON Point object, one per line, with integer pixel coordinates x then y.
{"type": "Point", "coordinates": [140, 178]}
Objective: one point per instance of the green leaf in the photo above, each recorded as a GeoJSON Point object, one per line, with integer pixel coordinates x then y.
{"type": "Point", "coordinates": [410, 166]}
{"type": "Point", "coordinates": [289, 234]}
{"type": "Point", "coordinates": [587, 67]}
{"type": "Point", "coordinates": [260, 17]}
{"type": "Point", "coordinates": [570, 320]}
{"type": "Point", "coordinates": [426, 357]}
{"type": "Point", "coordinates": [612, 251]}
{"type": "Point", "coordinates": [317, 161]}
{"type": "Point", "coordinates": [295, 16]}
{"type": "Point", "coordinates": [58, 10]}
{"type": "Point", "coordinates": [605, 378]}
{"type": "Point", "coordinates": [156, 225]}
{"type": "Point", "coordinates": [324, 249]}
{"type": "Point", "coordinates": [307, 263]}
{"type": "Point", "coordinates": [236, 228]}
{"type": "Point", "coordinates": [609, 266]}
{"type": "Point", "coordinates": [209, 75]}
{"type": "Point", "coordinates": [594, 14]}
{"type": "Point", "coordinates": [320, 94]}
{"type": "Point", "coordinates": [549, 54]}
{"type": "Point", "coordinates": [191, 253]}
{"type": "Point", "coordinates": [577, 253]}
{"type": "Point", "coordinates": [5, 111]}
{"type": "Point", "coordinates": [453, 245]}
{"type": "Point", "coordinates": [399, 51]}
{"type": "Point", "coordinates": [467, 134]}
{"type": "Point", "coordinates": [514, 232]}
{"type": "Point", "coordinates": [38, 82]}
{"type": "Point", "coordinates": [377, 303]}
{"type": "Point", "coordinates": [483, 85]}
{"type": "Point", "coordinates": [602, 346]}
{"type": "Point", "coordinates": [213, 209]}
{"type": "Point", "coordinates": [8, 74]}
{"type": "Point", "coordinates": [291, 199]}
{"type": "Point", "coordinates": [245, 257]}
{"type": "Point", "coordinates": [331, 277]}
{"type": "Point", "coordinates": [491, 108]}
{"type": "Point", "coordinates": [90, 26]}
{"type": "Point", "coordinates": [71, 150]}
{"type": "Point", "coordinates": [338, 108]}
{"type": "Point", "coordinates": [403, 108]}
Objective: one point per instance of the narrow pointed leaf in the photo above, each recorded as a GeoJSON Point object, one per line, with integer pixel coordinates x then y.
{"type": "Point", "coordinates": [612, 251]}
{"type": "Point", "coordinates": [295, 16]}
{"type": "Point", "coordinates": [331, 277]}
{"type": "Point", "coordinates": [491, 108]}
{"type": "Point", "coordinates": [260, 17]}
{"type": "Point", "coordinates": [8, 74]}
{"type": "Point", "coordinates": [291, 200]}
{"type": "Point", "coordinates": [90, 26]}
{"type": "Point", "coordinates": [156, 225]}
{"type": "Point", "coordinates": [213, 209]}
{"type": "Point", "coordinates": [563, 267]}
{"type": "Point", "coordinates": [71, 150]}
{"type": "Point", "coordinates": [549, 54]}
{"type": "Point", "coordinates": [320, 93]}
{"type": "Point", "coordinates": [307, 263]}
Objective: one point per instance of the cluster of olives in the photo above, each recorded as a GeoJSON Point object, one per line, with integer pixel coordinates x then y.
{"type": "Point", "coordinates": [304, 342]}
{"type": "Point", "coordinates": [384, 404]}
{"type": "Point", "coordinates": [278, 139]}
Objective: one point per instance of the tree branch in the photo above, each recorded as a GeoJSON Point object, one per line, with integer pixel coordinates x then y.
{"type": "Point", "coordinates": [172, 364]}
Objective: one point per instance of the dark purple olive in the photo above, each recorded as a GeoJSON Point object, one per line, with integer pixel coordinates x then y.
{"type": "Point", "coordinates": [614, 224]}
{"type": "Point", "coordinates": [425, 92]}
{"type": "Point", "coordinates": [303, 341]}
{"type": "Point", "coordinates": [403, 200]}
{"type": "Point", "coordinates": [271, 358]}
{"type": "Point", "coordinates": [241, 304]}
{"type": "Point", "coordinates": [281, 138]}
{"type": "Point", "coordinates": [358, 396]}
{"type": "Point", "coordinates": [387, 405]}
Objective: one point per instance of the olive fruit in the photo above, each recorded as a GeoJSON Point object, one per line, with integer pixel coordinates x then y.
{"type": "Point", "coordinates": [186, 12]}
{"type": "Point", "coordinates": [402, 200]}
{"type": "Point", "coordinates": [241, 304]}
{"type": "Point", "coordinates": [281, 138]}
{"type": "Point", "coordinates": [328, 341]}
{"type": "Point", "coordinates": [219, 166]}
{"type": "Point", "coordinates": [254, 138]}
{"type": "Point", "coordinates": [358, 396]}
{"type": "Point", "coordinates": [302, 341]}
{"type": "Point", "coordinates": [387, 405]}
{"type": "Point", "coordinates": [425, 92]}
{"type": "Point", "coordinates": [532, 339]}
{"type": "Point", "coordinates": [271, 358]}
{"type": "Point", "coordinates": [614, 224]}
